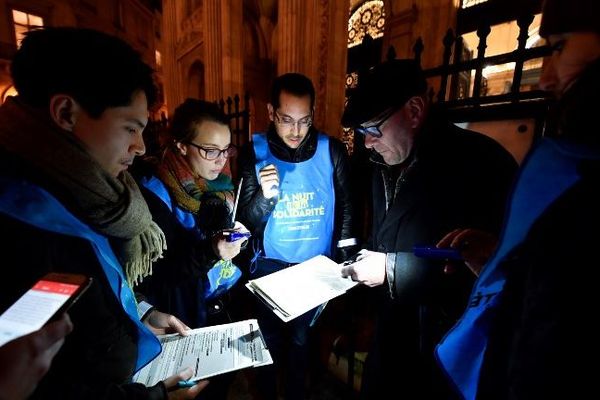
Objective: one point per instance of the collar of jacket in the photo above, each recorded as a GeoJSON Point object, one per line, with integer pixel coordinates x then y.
{"type": "Point", "coordinates": [305, 151]}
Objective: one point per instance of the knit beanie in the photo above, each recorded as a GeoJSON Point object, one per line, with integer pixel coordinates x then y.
{"type": "Point", "coordinates": [562, 16]}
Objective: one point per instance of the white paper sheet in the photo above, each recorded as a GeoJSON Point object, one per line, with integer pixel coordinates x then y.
{"type": "Point", "coordinates": [208, 351]}
{"type": "Point", "coordinates": [295, 290]}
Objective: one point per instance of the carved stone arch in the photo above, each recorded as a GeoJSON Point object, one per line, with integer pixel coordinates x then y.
{"type": "Point", "coordinates": [196, 87]}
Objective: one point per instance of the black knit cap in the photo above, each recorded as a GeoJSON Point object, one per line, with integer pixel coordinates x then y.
{"type": "Point", "coordinates": [389, 84]}
{"type": "Point", "coordinates": [562, 16]}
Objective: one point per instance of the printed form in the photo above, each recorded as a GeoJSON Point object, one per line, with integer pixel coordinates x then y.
{"type": "Point", "coordinates": [293, 291]}
{"type": "Point", "coordinates": [209, 351]}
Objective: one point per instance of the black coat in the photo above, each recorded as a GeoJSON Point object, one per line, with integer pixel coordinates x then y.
{"type": "Point", "coordinates": [176, 285]}
{"type": "Point", "coordinates": [98, 357]}
{"type": "Point", "coordinates": [455, 179]}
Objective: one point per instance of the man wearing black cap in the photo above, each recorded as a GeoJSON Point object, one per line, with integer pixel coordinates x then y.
{"type": "Point", "coordinates": [534, 336]}
{"type": "Point", "coordinates": [430, 176]}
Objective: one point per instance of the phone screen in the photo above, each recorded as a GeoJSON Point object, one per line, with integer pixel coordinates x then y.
{"type": "Point", "coordinates": [37, 306]}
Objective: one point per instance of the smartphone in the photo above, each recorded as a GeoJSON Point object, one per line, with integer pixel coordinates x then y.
{"type": "Point", "coordinates": [49, 298]}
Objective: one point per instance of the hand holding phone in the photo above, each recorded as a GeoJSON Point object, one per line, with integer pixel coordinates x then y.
{"type": "Point", "coordinates": [30, 356]}
{"type": "Point", "coordinates": [236, 235]}
{"type": "Point", "coordinates": [49, 298]}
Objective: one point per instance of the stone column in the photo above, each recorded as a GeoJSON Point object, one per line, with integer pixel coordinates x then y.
{"type": "Point", "coordinates": [213, 74]}
{"type": "Point", "coordinates": [222, 20]}
{"type": "Point", "coordinates": [233, 59]}
{"type": "Point", "coordinates": [312, 36]}
{"type": "Point", "coordinates": [332, 73]}
{"type": "Point", "coordinates": [171, 74]}
{"type": "Point", "coordinates": [292, 25]}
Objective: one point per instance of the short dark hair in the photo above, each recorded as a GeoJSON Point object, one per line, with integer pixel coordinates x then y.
{"type": "Point", "coordinates": [100, 71]}
{"type": "Point", "coordinates": [191, 113]}
{"type": "Point", "coordinates": [292, 83]}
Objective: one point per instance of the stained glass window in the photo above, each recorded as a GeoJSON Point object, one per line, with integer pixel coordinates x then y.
{"type": "Point", "coordinates": [369, 18]}
{"type": "Point", "coordinates": [351, 80]}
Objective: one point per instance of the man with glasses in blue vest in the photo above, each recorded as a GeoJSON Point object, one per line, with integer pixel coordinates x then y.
{"type": "Point", "coordinates": [295, 199]}
{"type": "Point", "coordinates": [429, 177]}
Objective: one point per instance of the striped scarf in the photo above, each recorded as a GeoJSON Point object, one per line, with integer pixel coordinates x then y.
{"type": "Point", "coordinates": [188, 189]}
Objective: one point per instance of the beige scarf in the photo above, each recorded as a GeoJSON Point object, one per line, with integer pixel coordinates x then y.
{"type": "Point", "coordinates": [113, 207]}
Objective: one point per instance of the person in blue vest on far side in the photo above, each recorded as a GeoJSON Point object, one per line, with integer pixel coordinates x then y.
{"type": "Point", "coordinates": [529, 331]}
{"type": "Point", "coordinates": [68, 204]}
{"type": "Point", "coordinates": [295, 200]}
{"type": "Point", "coordinates": [190, 194]}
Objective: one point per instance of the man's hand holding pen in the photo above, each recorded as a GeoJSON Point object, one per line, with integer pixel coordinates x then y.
{"type": "Point", "coordinates": [366, 267]}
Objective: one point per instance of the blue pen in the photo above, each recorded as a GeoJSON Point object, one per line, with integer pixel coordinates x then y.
{"type": "Point", "coordinates": [182, 385]}
{"type": "Point", "coordinates": [352, 259]}
{"type": "Point", "coordinates": [445, 253]}
{"type": "Point", "coordinates": [186, 384]}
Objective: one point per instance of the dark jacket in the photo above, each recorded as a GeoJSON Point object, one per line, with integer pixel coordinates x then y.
{"type": "Point", "coordinates": [254, 209]}
{"type": "Point", "coordinates": [454, 178]}
{"type": "Point", "coordinates": [98, 357]}
{"type": "Point", "coordinates": [176, 285]}
{"type": "Point", "coordinates": [543, 338]}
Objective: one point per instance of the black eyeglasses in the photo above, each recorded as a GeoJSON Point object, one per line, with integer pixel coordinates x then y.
{"type": "Point", "coordinates": [211, 153]}
{"type": "Point", "coordinates": [287, 122]}
{"type": "Point", "coordinates": [374, 130]}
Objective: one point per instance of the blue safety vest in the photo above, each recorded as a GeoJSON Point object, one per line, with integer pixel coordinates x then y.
{"type": "Point", "coordinates": [33, 205]}
{"type": "Point", "coordinates": [301, 225]}
{"type": "Point", "coordinates": [549, 171]}
{"type": "Point", "coordinates": [156, 186]}
{"type": "Point", "coordinates": [220, 277]}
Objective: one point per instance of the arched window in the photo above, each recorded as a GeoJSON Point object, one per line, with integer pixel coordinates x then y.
{"type": "Point", "coordinates": [369, 18]}
{"type": "Point", "coordinates": [10, 91]}
{"type": "Point", "coordinates": [471, 3]}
